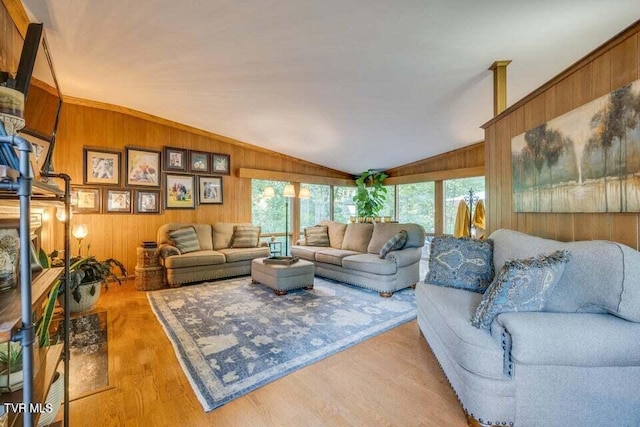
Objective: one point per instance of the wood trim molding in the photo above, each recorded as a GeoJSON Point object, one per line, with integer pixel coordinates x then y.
{"type": "Point", "coordinates": [170, 123]}
{"type": "Point", "coordinates": [452, 153]}
{"type": "Point", "coordinates": [499, 69]}
{"type": "Point", "coordinates": [18, 15]}
{"type": "Point", "coordinates": [293, 177]}
{"type": "Point", "coordinates": [600, 50]}
{"type": "Point", "coordinates": [436, 175]}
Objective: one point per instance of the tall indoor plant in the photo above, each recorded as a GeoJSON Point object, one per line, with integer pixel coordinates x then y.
{"type": "Point", "coordinates": [370, 193]}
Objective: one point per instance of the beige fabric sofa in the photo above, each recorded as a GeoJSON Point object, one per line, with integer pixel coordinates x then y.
{"type": "Point", "coordinates": [215, 260]}
{"type": "Point", "coordinates": [353, 256]}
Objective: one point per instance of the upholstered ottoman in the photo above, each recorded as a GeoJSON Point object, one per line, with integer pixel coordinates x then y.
{"type": "Point", "coordinates": [282, 278]}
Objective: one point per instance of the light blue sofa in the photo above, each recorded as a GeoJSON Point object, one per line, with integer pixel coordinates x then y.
{"type": "Point", "coordinates": [575, 364]}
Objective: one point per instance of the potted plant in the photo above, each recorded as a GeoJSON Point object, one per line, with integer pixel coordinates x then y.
{"type": "Point", "coordinates": [86, 275]}
{"type": "Point", "coordinates": [370, 193]}
{"type": "Point", "coordinates": [11, 375]}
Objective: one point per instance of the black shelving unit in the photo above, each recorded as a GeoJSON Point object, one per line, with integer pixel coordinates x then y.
{"type": "Point", "coordinates": [16, 307]}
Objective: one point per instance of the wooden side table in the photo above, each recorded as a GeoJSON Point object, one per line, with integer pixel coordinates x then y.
{"type": "Point", "coordinates": [149, 274]}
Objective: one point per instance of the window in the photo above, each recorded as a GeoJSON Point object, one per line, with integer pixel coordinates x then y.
{"type": "Point", "coordinates": [389, 208]}
{"type": "Point", "coordinates": [268, 213]}
{"type": "Point", "coordinates": [317, 208]}
{"type": "Point", "coordinates": [416, 204]}
{"type": "Point", "coordinates": [454, 192]}
{"type": "Point", "coordinates": [343, 205]}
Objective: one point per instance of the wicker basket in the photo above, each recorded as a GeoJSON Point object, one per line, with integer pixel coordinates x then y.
{"type": "Point", "coordinates": [149, 279]}
{"type": "Point", "coordinates": [147, 257]}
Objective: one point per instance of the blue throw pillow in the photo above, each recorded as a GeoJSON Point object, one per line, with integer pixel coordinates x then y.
{"type": "Point", "coordinates": [521, 285]}
{"type": "Point", "coordinates": [396, 242]}
{"type": "Point", "coordinates": [463, 263]}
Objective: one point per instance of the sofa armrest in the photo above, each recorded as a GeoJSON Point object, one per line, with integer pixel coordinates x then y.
{"type": "Point", "coordinates": [301, 242]}
{"type": "Point", "coordinates": [166, 251]}
{"type": "Point", "coordinates": [263, 244]}
{"type": "Point", "coordinates": [405, 257]}
{"type": "Point", "coordinates": [570, 339]}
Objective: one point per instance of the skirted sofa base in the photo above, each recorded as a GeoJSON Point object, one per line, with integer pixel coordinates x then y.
{"type": "Point", "coordinates": [180, 276]}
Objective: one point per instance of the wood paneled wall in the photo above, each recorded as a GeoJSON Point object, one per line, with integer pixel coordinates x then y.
{"type": "Point", "coordinates": [118, 235]}
{"type": "Point", "coordinates": [467, 157]}
{"type": "Point", "coordinates": [609, 67]}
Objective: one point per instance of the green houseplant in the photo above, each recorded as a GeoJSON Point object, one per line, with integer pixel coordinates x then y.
{"type": "Point", "coordinates": [11, 375]}
{"type": "Point", "coordinates": [370, 193]}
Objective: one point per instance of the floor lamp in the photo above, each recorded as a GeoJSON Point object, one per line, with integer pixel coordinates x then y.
{"type": "Point", "coordinates": [288, 192]}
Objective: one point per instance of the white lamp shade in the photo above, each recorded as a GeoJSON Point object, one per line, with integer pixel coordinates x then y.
{"type": "Point", "coordinates": [304, 193]}
{"type": "Point", "coordinates": [289, 191]}
{"type": "Point", "coordinates": [80, 231]}
{"type": "Point", "coordinates": [61, 215]}
{"type": "Point", "coordinates": [268, 192]}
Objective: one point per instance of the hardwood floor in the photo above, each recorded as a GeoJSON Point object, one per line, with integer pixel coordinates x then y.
{"type": "Point", "coordinates": [389, 380]}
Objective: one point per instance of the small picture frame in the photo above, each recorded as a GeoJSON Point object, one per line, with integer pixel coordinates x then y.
{"type": "Point", "coordinates": [101, 167]}
{"type": "Point", "coordinates": [39, 154]}
{"type": "Point", "coordinates": [221, 163]}
{"type": "Point", "coordinates": [199, 161]}
{"type": "Point", "coordinates": [117, 201]}
{"type": "Point", "coordinates": [143, 167]}
{"type": "Point", "coordinates": [86, 200]}
{"type": "Point", "coordinates": [9, 252]}
{"type": "Point", "coordinates": [147, 202]}
{"type": "Point", "coordinates": [210, 190]}
{"type": "Point", "coordinates": [175, 159]}
{"type": "Point", "coordinates": [179, 191]}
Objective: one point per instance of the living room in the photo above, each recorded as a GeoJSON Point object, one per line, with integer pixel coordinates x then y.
{"type": "Point", "coordinates": [390, 379]}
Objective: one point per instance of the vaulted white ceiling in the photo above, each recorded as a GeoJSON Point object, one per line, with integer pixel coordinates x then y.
{"type": "Point", "coordinates": [349, 84]}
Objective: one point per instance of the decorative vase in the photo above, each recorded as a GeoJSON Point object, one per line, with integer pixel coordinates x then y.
{"type": "Point", "coordinates": [54, 397]}
{"type": "Point", "coordinates": [12, 381]}
{"type": "Point", "coordinates": [87, 301]}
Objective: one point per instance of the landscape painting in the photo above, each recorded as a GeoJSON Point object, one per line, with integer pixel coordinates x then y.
{"type": "Point", "coordinates": [587, 160]}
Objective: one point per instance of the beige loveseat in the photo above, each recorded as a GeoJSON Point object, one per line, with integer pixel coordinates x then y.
{"type": "Point", "coordinates": [215, 258]}
{"type": "Point", "coordinates": [353, 255]}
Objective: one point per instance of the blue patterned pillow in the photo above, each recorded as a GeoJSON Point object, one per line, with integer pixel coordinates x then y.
{"type": "Point", "coordinates": [461, 263]}
{"type": "Point", "coordinates": [396, 242]}
{"type": "Point", "coordinates": [521, 285]}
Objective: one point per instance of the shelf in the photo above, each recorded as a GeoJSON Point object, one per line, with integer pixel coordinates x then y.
{"type": "Point", "coordinates": [10, 309]}
{"type": "Point", "coordinates": [41, 384]}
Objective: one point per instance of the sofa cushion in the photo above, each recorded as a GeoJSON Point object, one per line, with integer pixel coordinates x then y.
{"type": "Point", "coordinates": [317, 236]}
{"type": "Point", "coordinates": [357, 237]}
{"type": "Point", "coordinates": [461, 263]}
{"type": "Point", "coordinates": [194, 259]}
{"type": "Point", "coordinates": [223, 233]}
{"type": "Point", "coordinates": [185, 239]}
{"type": "Point", "coordinates": [336, 232]}
{"type": "Point", "coordinates": [383, 231]}
{"type": "Point", "coordinates": [602, 276]}
{"type": "Point", "coordinates": [245, 236]}
{"type": "Point", "coordinates": [396, 242]}
{"type": "Point", "coordinates": [202, 230]}
{"type": "Point", "coordinates": [521, 285]}
{"type": "Point", "coordinates": [448, 311]}
{"type": "Point", "coordinates": [333, 256]}
{"type": "Point", "coordinates": [369, 263]}
{"type": "Point", "coordinates": [306, 252]}
{"type": "Point", "coordinates": [244, 254]}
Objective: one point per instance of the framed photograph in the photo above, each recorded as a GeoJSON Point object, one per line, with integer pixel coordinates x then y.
{"type": "Point", "coordinates": [221, 163]}
{"type": "Point", "coordinates": [179, 192]}
{"type": "Point", "coordinates": [117, 201]}
{"type": "Point", "coordinates": [175, 159]}
{"type": "Point", "coordinates": [9, 252]}
{"type": "Point", "coordinates": [101, 167]}
{"type": "Point", "coordinates": [86, 200]}
{"type": "Point", "coordinates": [147, 201]}
{"type": "Point", "coordinates": [199, 162]}
{"type": "Point", "coordinates": [210, 190]}
{"type": "Point", "coordinates": [143, 167]}
{"type": "Point", "coordinates": [39, 154]}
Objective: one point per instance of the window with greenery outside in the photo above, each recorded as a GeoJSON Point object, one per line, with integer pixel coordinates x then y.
{"type": "Point", "coordinates": [416, 204]}
{"type": "Point", "coordinates": [317, 208]}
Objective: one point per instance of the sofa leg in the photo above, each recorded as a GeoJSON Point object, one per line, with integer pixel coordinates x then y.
{"type": "Point", "coordinates": [279, 292]}
{"type": "Point", "coordinates": [413, 286]}
{"type": "Point", "coordinates": [472, 422]}
{"type": "Point", "coordinates": [254, 282]}
{"type": "Point", "coordinates": [310, 287]}
{"type": "Point", "coordinates": [386, 294]}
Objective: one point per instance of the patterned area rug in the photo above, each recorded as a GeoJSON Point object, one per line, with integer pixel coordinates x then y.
{"type": "Point", "coordinates": [232, 337]}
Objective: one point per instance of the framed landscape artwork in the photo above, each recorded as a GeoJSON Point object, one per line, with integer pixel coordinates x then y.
{"type": "Point", "coordinates": [147, 201]}
{"type": "Point", "coordinates": [210, 190]}
{"type": "Point", "coordinates": [175, 159]}
{"type": "Point", "coordinates": [87, 199]}
{"type": "Point", "coordinates": [221, 163]}
{"type": "Point", "coordinates": [199, 161]}
{"type": "Point", "coordinates": [179, 191]}
{"type": "Point", "coordinates": [117, 201]}
{"type": "Point", "coordinates": [143, 167]}
{"type": "Point", "coordinates": [101, 167]}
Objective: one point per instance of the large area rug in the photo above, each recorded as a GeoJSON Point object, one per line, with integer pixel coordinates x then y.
{"type": "Point", "coordinates": [232, 336]}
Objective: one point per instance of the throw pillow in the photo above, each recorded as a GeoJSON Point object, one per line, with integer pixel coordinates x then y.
{"type": "Point", "coordinates": [521, 285]}
{"type": "Point", "coordinates": [463, 263]}
{"type": "Point", "coordinates": [185, 239]}
{"type": "Point", "coordinates": [245, 236]}
{"type": "Point", "coordinates": [396, 242]}
{"type": "Point", "coordinates": [317, 235]}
